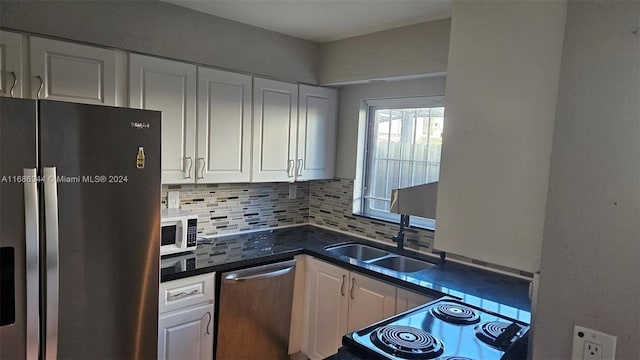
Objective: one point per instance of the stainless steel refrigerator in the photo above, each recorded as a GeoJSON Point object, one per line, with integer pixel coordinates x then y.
{"type": "Point", "coordinates": [79, 231]}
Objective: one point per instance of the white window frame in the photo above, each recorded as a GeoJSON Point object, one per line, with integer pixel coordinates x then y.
{"type": "Point", "coordinates": [366, 125]}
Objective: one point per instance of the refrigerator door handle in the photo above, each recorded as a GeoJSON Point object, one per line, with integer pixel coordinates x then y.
{"type": "Point", "coordinates": [51, 233]}
{"type": "Point", "coordinates": [32, 229]}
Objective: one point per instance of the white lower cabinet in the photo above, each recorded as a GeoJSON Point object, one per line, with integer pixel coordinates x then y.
{"type": "Point", "coordinates": [186, 334]}
{"type": "Point", "coordinates": [326, 308]}
{"type": "Point", "coordinates": [338, 301]}
{"type": "Point", "coordinates": [370, 301]}
{"type": "Point", "coordinates": [407, 300]}
{"type": "Point", "coordinates": [185, 324]}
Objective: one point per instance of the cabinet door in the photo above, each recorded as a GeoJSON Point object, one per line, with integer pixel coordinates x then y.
{"type": "Point", "coordinates": [275, 117]}
{"type": "Point", "coordinates": [326, 309]}
{"type": "Point", "coordinates": [170, 87]}
{"type": "Point", "coordinates": [11, 70]}
{"type": "Point", "coordinates": [316, 149]}
{"type": "Point", "coordinates": [370, 301]}
{"type": "Point", "coordinates": [186, 334]}
{"type": "Point", "coordinates": [224, 127]}
{"type": "Point", "coordinates": [406, 300]}
{"type": "Point", "coordinates": [72, 72]}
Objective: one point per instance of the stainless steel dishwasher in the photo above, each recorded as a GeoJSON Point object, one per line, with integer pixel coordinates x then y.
{"type": "Point", "coordinates": [255, 312]}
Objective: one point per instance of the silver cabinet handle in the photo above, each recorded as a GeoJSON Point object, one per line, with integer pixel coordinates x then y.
{"type": "Point", "coordinates": [201, 169]}
{"type": "Point", "coordinates": [188, 173]}
{"type": "Point", "coordinates": [52, 239]}
{"type": "Point", "coordinates": [39, 88]}
{"type": "Point", "coordinates": [183, 294]}
{"type": "Point", "coordinates": [15, 82]}
{"type": "Point", "coordinates": [299, 167]}
{"type": "Point", "coordinates": [353, 286]}
{"type": "Point", "coordinates": [290, 168]}
{"type": "Point", "coordinates": [32, 230]}
{"type": "Point", "coordinates": [231, 279]}
{"type": "Point", "coordinates": [209, 321]}
{"type": "Point", "coordinates": [342, 286]}
{"type": "Point", "coordinates": [259, 272]}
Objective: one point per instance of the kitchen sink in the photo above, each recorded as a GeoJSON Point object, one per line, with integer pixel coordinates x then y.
{"type": "Point", "coordinates": [357, 251]}
{"type": "Point", "coordinates": [402, 264]}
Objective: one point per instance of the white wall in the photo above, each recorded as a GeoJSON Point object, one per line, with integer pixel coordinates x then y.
{"type": "Point", "coordinates": [502, 84]}
{"type": "Point", "coordinates": [591, 252]}
{"type": "Point", "coordinates": [162, 29]}
{"type": "Point", "coordinates": [349, 114]}
{"type": "Point", "coordinates": [410, 50]}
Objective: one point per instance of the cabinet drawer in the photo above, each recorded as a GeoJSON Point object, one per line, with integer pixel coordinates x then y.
{"type": "Point", "coordinates": [181, 293]}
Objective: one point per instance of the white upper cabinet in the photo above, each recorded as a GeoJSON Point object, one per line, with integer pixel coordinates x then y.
{"type": "Point", "coordinates": [224, 127]}
{"type": "Point", "coordinates": [217, 126]}
{"type": "Point", "coordinates": [73, 72]}
{"type": "Point", "coordinates": [406, 300]}
{"type": "Point", "coordinates": [294, 131]}
{"type": "Point", "coordinates": [316, 133]}
{"type": "Point", "coordinates": [11, 69]}
{"type": "Point", "coordinates": [170, 87]}
{"type": "Point", "coordinates": [275, 117]}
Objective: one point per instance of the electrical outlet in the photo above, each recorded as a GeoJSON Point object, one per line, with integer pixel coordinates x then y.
{"type": "Point", "coordinates": [173, 199]}
{"type": "Point", "coordinates": [592, 351]}
{"type": "Point", "coordinates": [293, 191]}
{"type": "Point", "coordinates": [590, 344]}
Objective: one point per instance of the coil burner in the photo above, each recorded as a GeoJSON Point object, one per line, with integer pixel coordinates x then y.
{"type": "Point", "coordinates": [455, 313]}
{"type": "Point", "coordinates": [497, 333]}
{"type": "Point", "coordinates": [407, 342]}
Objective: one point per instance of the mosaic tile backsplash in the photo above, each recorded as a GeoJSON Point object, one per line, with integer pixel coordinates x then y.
{"type": "Point", "coordinates": [230, 208]}
{"type": "Point", "coordinates": [331, 205]}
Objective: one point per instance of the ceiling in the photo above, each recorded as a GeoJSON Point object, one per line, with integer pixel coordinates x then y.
{"type": "Point", "coordinates": [323, 20]}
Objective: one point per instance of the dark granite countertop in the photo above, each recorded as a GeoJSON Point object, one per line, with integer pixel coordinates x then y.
{"type": "Point", "coordinates": [492, 291]}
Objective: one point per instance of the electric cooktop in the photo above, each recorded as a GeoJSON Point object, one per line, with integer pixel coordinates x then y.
{"type": "Point", "coordinates": [443, 329]}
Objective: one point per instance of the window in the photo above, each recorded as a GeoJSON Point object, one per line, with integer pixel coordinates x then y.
{"type": "Point", "coordinates": [403, 144]}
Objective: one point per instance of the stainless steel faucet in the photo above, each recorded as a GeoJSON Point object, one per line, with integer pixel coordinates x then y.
{"type": "Point", "coordinates": [404, 222]}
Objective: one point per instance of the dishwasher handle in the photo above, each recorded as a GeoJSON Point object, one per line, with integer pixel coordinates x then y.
{"type": "Point", "coordinates": [260, 272]}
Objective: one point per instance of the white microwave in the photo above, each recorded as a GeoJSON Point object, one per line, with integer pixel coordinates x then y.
{"type": "Point", "coordinates": [178, 231]}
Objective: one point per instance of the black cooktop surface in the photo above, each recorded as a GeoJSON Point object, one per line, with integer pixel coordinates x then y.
{"type": "Point", "coordinates": [443, 329]}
